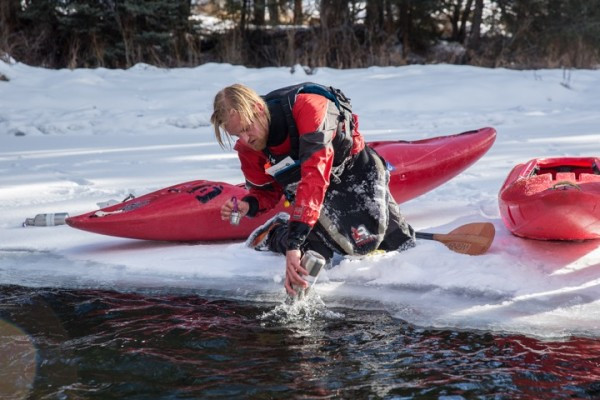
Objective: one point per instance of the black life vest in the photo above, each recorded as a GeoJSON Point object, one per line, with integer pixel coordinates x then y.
{"type": "Point", "coordinates": [281, 102]}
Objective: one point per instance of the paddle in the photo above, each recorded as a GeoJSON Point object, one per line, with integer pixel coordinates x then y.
{"type": "Point", "coordinates": [473, 239]}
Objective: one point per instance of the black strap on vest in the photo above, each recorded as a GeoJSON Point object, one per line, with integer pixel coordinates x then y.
{"type": "Point", "coordinates": [282, 100]}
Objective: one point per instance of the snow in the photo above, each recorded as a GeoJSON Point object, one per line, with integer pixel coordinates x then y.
{"type": "Point", "coordinates": [72, 138]}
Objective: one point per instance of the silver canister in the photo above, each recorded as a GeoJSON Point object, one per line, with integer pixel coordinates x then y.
{"type": "Point", "coordinates": [235, 216]}
{"type": "Point", "coordinates": [312, 262]}
{"type": "Point", "coordinates": [51, 219]}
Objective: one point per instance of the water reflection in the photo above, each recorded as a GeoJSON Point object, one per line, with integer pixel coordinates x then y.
{"type": "Point", "coordinates": [17, 362]}
{"type": "Point", "coordinates": [103, 344]}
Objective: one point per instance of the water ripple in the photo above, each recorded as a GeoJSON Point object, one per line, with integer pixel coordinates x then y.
{"type": "Point", "coordinates": [112, 345]}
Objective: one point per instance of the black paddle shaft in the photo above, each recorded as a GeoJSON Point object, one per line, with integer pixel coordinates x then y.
{"type": "Point", "coordinates": [424, 235]}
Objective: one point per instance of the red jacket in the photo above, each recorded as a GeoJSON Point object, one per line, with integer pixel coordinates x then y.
{"type": "Point", "coordinates": [316, 121]}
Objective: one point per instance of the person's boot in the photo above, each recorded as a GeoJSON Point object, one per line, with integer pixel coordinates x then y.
{"type": "Point", "coordinates": [259, 239]}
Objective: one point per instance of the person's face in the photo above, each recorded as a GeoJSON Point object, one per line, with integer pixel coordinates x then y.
{"type": "Point", "coordinates": [253, 135]}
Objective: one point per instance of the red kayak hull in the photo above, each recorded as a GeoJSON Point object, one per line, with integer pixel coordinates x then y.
{"type": "Point", "coordinates": [190, 211]}
{"type": "Point", "coordinates": [553, 199]}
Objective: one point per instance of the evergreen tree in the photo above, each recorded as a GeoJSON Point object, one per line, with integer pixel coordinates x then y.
{"type": "Point", "coordinates": [350, 33]}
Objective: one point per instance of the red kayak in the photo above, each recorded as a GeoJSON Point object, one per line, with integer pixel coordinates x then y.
{"type": "Point", "coordinates": [190, 211]}
{"type": "Point", "coordinates": [553, 199]}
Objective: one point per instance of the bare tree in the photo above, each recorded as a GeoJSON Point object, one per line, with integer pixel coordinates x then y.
{"type": "Point", "coordinates": [298, 12]}
{"type": "Point", "coordinates": [259, 12]}
{"type": "Point", "coordinates": [374, 15]}
{"type": "Point", "coordinates": [475, 35]}
{"type": "Point", "coordinates": [405, 27]}
{"type": "Point", "coordinates": [8, 22]}
{"type": "Point", "coordinates": [334, 13]}
{"type": "Point", "coordinates": [274, 17]}
{"type": "Point", "coordinates": [463, 21]}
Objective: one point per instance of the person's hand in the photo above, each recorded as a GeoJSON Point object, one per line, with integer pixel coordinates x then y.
{"type": "Point", "coordinates": [294, 272]}
{"type": "Point", "coordinates": [227, 209]}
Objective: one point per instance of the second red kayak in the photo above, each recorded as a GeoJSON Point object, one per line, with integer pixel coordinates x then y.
{"type": "Point", "coordinates": [553, 199]}
{"type": "Point", "coordinates": [190, 211]}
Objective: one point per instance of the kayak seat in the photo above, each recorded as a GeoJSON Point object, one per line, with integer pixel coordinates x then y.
{"type": "Point", "coordinates": [579, 171]}
{"type": "Point", "coordinates": [567, 169]}
{"type": "Point", "coordinates": [589, 178]}
{"type": "Point", "coordinates": [565, 176]}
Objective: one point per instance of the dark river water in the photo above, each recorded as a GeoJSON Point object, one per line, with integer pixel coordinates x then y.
{"type": "Point", "coordinates": [91, 344]}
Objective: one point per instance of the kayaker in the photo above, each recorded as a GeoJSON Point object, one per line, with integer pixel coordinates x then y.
{"type": "Point", "coordinates": [303, 142]}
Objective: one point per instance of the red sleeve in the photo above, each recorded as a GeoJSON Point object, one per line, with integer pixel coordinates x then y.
{"type": "Point", "coordinates": [316, 127]}
{"type": "Point", "coordinates": [261, 185]}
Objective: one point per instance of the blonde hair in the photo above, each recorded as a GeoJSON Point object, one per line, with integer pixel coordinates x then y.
{"type": "Point", "coordinates": [235, 98]}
